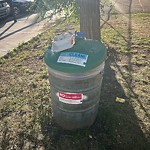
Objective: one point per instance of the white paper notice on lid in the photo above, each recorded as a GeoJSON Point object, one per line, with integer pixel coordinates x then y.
{"type": "Point", "coordinates": [73, 58]}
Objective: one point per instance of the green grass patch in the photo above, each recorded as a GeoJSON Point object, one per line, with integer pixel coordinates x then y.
{"type": "Point", "coordinates": [26, 120]}
{"type": "Point", "coordinates": [141, 15]}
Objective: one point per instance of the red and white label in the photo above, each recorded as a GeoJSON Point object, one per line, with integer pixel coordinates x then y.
{"type": "Point", "coordinates": [70, 98]}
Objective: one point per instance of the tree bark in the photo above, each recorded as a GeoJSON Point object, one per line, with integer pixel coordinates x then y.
{"type": "Point", "coordinates": [90, 18]}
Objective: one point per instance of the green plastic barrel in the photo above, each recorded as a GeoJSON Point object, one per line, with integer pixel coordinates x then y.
{"type": "Point", "coordinates": [75, 77]}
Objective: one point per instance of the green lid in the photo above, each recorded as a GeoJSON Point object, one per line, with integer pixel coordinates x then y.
{"type": "Point", "coordinates": [85, 55]}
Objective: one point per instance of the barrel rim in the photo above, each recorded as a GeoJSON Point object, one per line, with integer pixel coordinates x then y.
{"type": "Point", "coordinates": [77, 76]}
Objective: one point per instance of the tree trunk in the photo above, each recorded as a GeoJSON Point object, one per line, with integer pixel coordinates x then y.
{"type": "Point", "coordinates": [90, 18]}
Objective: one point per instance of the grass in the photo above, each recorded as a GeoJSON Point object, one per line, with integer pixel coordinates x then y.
{"type": "Point", "coordinates": [26, 120]}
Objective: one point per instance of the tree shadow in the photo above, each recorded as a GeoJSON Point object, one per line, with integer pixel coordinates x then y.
{"type": "Point", "coordinates": [18, 30]}
{"type": "Point", "coordinates": [128, 40]}
{"type": "Point", "coordinates": [116, 127]}
{"type": "Point", "coordinates": [14, 32]}
{"type": "Point", "coordinates": [7, 29]}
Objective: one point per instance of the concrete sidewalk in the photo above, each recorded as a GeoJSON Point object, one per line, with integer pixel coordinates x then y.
{"type": "Point", "coordinates": [12, 34]}
{"type": "Point", "coordinates": [137, 6]}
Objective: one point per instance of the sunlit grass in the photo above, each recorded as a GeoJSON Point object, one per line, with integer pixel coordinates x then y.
{"type": "Point", "coordinates": [26, 120]}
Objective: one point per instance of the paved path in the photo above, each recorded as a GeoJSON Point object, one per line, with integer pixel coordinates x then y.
{"type": "Point", "coordinates": [12, 34]}
{"type": "Point", "coordinates": [138, 6]}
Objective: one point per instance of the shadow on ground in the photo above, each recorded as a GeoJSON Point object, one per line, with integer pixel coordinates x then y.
{"type": "Point", "coordinates": [115, 128]}
{"type": "Point", "coordinates": [10, 18]}
{"type": "Point", "coordinates": [26, 16]}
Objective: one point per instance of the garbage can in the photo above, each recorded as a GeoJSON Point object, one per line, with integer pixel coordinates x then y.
{"type": "Point", "coordinates": [75, 77]}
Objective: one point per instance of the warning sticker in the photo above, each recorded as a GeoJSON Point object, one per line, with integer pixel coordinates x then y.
{"type": "Point", "coordinates": [73, 58]}
{"type": "Point", "coordinates": [70, 98]}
